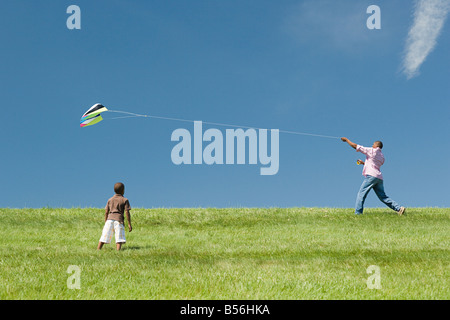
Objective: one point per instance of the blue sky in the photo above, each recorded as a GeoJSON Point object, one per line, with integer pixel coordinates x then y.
{"type": "Point", "coordinates": [309, 66]}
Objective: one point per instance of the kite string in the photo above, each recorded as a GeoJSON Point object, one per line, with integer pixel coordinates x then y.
{"type": "Point", "coordinates": [134, 115]}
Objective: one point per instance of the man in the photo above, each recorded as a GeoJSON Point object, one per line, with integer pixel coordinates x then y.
{"type": "Point", "coordinates": [373, 177]}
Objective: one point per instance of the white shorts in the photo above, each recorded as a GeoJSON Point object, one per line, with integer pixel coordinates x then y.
{"type": "Point", "coordinates": [110, 227]}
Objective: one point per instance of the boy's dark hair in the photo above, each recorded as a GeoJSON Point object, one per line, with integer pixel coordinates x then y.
{"type": "Point", "coordinates": [119, 188]}
{"type": "Point", "coordinates": [380, 144]}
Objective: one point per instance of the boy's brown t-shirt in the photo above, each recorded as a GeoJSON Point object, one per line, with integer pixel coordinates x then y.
{"type": "Point", "coordinates": [117, 205]}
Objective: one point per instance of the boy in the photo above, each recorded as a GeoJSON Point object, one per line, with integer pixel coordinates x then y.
{"type": "Point", "coordinates": [373, 177]}
{"type": "Point", "coordinates": [115, 208]}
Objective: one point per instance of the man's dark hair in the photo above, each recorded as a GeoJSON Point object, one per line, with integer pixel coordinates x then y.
{"type": "Point", "coordinates": [119, 188]}
{"type": "Point", "coordinates": [379, 144]}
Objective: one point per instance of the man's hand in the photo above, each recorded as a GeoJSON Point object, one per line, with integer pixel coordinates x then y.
{"type": "Point", "coordinates": [353, 145]}
{"type": "Point", "coordinates": [130, 228]}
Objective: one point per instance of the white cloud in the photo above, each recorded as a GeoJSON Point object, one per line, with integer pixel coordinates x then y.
{"type": "Point", "coordinates": [429, 18]}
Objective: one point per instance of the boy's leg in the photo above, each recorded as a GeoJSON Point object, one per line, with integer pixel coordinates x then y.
{"type": "Point", "coordinates": [379, 190]}
{"type": "Point", "coordinates": [366, 185]}
{"type": "Point", "coordinates": [119, 231]}
{"type": "Point", "coordinates": [106, 234]}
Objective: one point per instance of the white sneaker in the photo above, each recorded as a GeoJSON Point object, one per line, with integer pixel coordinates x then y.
{"type": "Point", "coordinates": [401, 211]}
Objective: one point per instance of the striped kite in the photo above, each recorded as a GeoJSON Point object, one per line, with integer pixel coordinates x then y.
{"type": "Point", "coordinates": [92, 116]}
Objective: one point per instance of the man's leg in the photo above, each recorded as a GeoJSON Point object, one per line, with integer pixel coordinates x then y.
{"type": "Point", "coordinates": [379, 190]}
{"type": "Point", "coordinates": [367, 184]}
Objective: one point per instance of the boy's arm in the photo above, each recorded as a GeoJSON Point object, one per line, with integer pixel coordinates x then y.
{"type": "Point", "coordinates": [129, 220]}
{"type": "Point", "coordinates": [106, 213]}
{"type": "Point", "coordinates": [352, 144]}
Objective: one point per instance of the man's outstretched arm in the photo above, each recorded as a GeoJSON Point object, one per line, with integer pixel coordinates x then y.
{"type": "Point", "coordinates": [352, 144]}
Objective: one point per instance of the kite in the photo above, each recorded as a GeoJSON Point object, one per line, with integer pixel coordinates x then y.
{"type": "Point", "coordinates": [93, 115]}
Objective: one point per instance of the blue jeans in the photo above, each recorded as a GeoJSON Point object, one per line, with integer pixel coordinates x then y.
{"type": "Point", "coordinates": [377, 186]}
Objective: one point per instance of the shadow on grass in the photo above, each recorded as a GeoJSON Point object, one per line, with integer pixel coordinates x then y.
{"type": "Point", "coordinates": [382, 212]}
{"type": "Point", "coordinates": [136, 247]}
{"type": "Point", "coordinates": [126, 248]}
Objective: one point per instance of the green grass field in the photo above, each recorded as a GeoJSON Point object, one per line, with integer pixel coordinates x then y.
{"type": "Point", "coordinates": [242, 253]}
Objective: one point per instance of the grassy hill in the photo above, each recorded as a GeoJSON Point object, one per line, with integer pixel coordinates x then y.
{"type": "Point", "coordinates": [234, 253]}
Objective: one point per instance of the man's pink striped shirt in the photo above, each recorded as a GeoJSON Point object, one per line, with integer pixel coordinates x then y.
{"type": "Point", "coordinates": [374, 160]}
